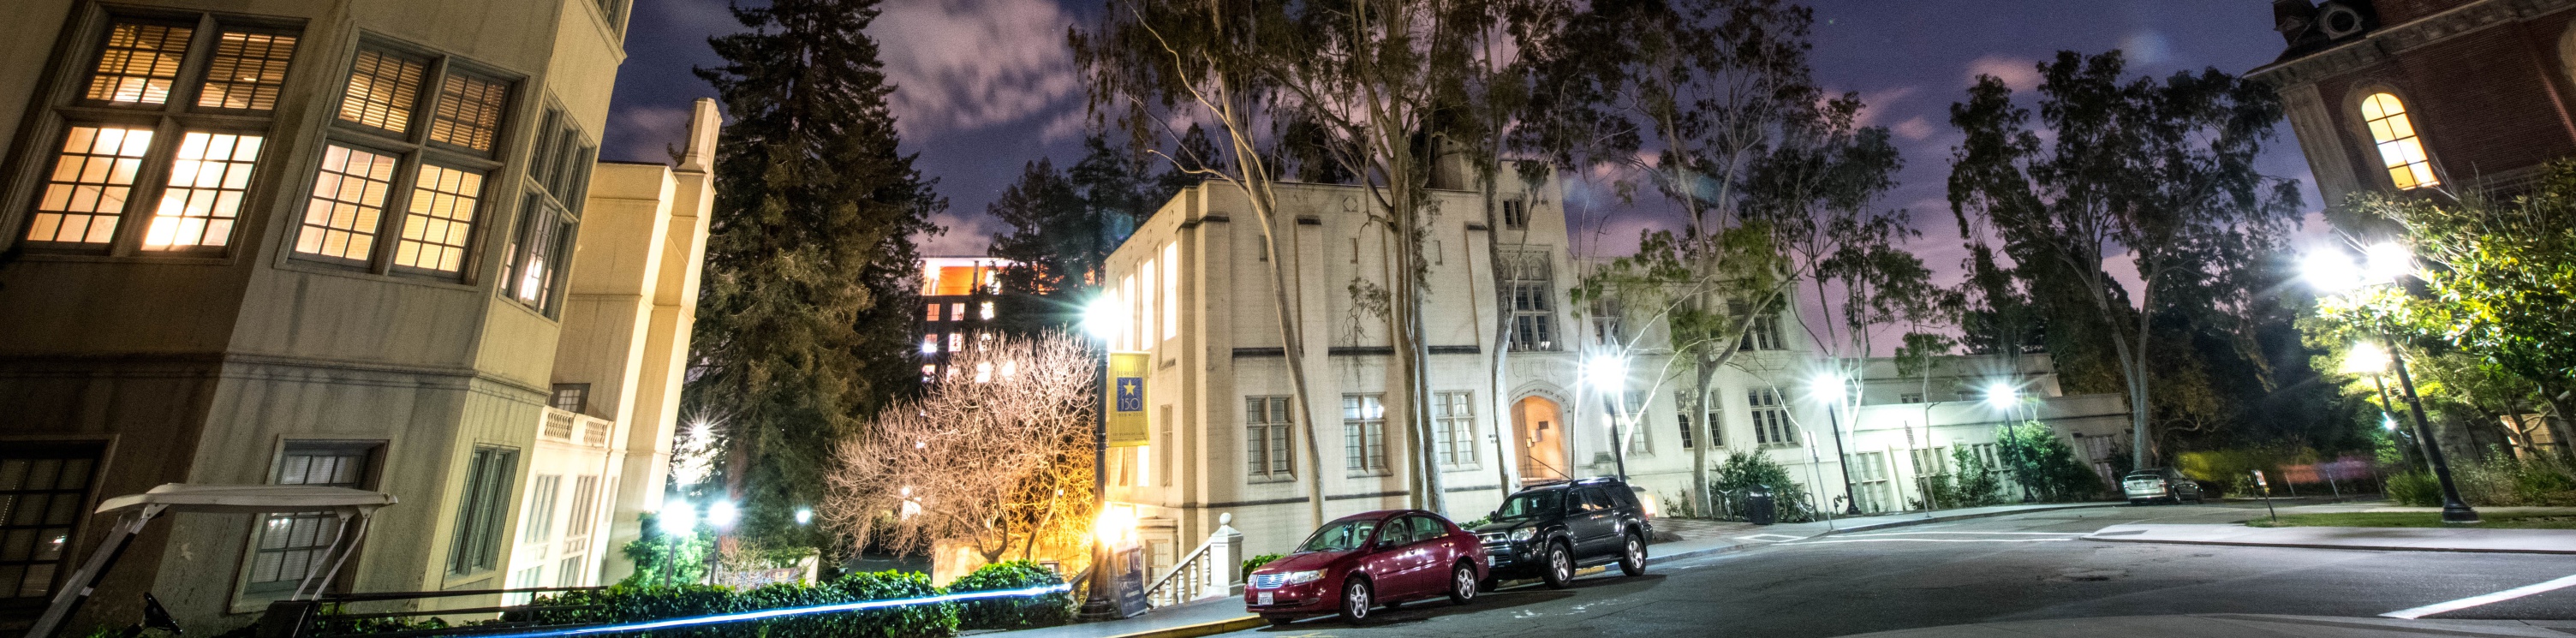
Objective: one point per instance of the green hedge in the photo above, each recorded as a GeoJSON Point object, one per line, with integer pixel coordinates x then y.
{"type": "Point", "coordinates": [1256, 562]}
{"type": "Point", "coordinates": [629, 604]}
{"type": "Point", "coordinates": [1012, 612]}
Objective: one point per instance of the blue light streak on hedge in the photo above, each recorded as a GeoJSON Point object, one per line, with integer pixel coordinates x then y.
{"type": "Point", "coordinates": [863, 605]}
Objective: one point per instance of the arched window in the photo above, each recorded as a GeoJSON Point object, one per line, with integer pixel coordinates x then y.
{"type": "Point", "coordinates": [2399, 148]}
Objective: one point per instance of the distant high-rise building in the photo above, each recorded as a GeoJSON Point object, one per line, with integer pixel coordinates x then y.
{"type": "Point", "coordinates": [957, 296]}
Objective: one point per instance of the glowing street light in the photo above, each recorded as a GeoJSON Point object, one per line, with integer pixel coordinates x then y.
{"type": "Point", "coordinates": [804, 516]}
{"type": "Point", "coordinates": [1833, 387]}
{"type": "Point", "coordinates": [1104, 318]}
{"type": "Point", "coordinates": [2365, 358]}
{"type": "Point", "coordinates": [2001, 395]}
{"type": "Point", "coordinates": [1608, 373]}
{"type": "Point", "coordinates": [2386, 263]}
{"type": "Point", "coordinates": [678, 518]}
{"type": "Point", "coordinates": [723, 514]}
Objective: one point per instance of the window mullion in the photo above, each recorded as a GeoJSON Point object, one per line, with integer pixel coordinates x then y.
{"type": "Point", "coordinates": [192, 67]}
{"type": "Point", "coordinates": [149, 180]}
{"type": "Point", "coordinates": [389, 225]}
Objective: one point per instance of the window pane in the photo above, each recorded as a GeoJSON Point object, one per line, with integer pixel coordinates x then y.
{"type": "Point", "coordinates": [92, 177]}
{"type": "Point", "coordinates": [348, 199]}
{"type": "Point", "coordinates": [207, 178]}
{"type": "Point", "coordinates": [441, 219]}
{"type": "Point", "coordinates": [469, 111]}
{"type": "Point", "coordinates": [138, 63]}
{"type": "Point", "coordinates": [382, 90]}
{"type": "Point", "coordinates": [247, 72]}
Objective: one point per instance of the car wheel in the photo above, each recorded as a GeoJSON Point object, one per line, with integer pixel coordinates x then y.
{"type": "Point", "coordinates": [1356, 601]}
{"type": "Point", "coordinates": [1560, 566]}
{"type": "Point", "coordinates": [1632, 561]}
{"type": "Point", "coordinates": [1462, 584]}
{"type": "Point", "coordinates": [1279, 621]}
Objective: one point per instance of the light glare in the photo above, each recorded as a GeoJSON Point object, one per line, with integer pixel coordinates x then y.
{"type": "Point", "coordinates": [2365, 358]}
{"type": "Point", "coordinates": [678, 518]}
{"type": "Point", "coordinates": [2002, 395]}
{"type": "Point", "coordinates": [2386, 262]}
{"type": "Point", "coordinates": [1606, 372]}
{"type": "Point", "coordinates": [2330, 271]}
{"type": "Point", "coordinates": [1104, 318]}
{"type": "Point", "coordinates": [723, 514]}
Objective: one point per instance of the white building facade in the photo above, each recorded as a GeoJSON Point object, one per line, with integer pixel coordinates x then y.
{"type": "Point", "coordinates": [1224, 439]}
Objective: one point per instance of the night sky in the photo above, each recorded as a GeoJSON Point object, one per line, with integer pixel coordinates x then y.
{"type": "Point", "coordinates": [988, 85]}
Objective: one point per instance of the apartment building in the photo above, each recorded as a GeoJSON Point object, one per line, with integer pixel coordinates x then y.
{"type": "Point", "coordinates": [957, 297]}
{"type": "Point", "coordinates": [323, 242]}
{"type": "Point", "coordinates": [1224, 437]}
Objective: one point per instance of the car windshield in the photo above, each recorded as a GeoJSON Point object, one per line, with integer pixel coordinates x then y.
{"type": "Point", "coordinates": [1531, 505]}
{"type": "Point", "coordinates": [1339, 537]}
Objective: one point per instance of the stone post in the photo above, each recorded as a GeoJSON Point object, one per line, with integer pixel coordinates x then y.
{"type": "Point", "coordinates": [1225, 558]}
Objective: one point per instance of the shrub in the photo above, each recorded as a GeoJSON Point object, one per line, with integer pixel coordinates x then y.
{"type": "Point", "coordinates": [2415, 489]}
{"type": "Point", "coordinates": [628, 603]}
{"type": "Point", "coordinates": [2045, 464]}
{"type": "Point", "coordinates": [1744, 471]}
{"type": "Point", "coordinates": [1014, 612]}
{"type": "Point", "coordinates": [1256, 562]}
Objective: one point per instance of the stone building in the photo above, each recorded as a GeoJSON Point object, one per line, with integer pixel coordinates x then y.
{"type": "Point", "coordinates": [1224, 439]}
{"type": "Point", "coordinates": [322, 242]}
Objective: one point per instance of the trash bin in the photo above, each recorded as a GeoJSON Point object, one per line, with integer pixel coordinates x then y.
{"type": "Point", "coordinates": [1758, 507]}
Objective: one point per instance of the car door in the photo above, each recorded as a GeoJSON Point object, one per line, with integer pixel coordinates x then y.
{"type": "Point", "coordinates": [1386, 563]}
{"type": "Point", "coordinates": [1422, 555]}
{"type": "Point", "coordinates": [1589, 519]}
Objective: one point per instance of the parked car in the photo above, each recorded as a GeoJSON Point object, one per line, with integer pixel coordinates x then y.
{"type": "Point", "coordinates": [1363, 561]}
{"type": "Point", "coordinates": [2159, 484]}
{"type": "Point", "coordinates": [1549, 531]}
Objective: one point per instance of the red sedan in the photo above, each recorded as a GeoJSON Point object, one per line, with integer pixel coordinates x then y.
{"type": "Point", "coordinates": [1364, 561]}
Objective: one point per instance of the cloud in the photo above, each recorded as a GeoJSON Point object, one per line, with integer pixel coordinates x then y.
{"type": "Point", "coordinates": [1875, 104]}
{"type": "Point", "coordinates": [970, 64]}
{"type": "Point", "coordinates": [1915, 129]}
{"type": "Point", "coordinates": [649, 132]}
{"type": "Point", "coordinates": [2147, 47]}
{"type": "Point", "coordinates": [2022, 74]}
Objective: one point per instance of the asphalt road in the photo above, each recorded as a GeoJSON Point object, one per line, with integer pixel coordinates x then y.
{"type": "Point", "coordinates": [2023, 567]}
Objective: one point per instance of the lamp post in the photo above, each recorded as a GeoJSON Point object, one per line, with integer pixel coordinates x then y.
{"type": "Point", "coordinates": [1103, 319]}
{"type": "Point", "coordinates": [1608, 373]}
{"type": "Point", "coordinates": [1833, 386]}
{"type": "Point", "coordinates": [677, 518]}
{"type": "Point", "coordinates": [2005, 398]}
{"type": "Point", "coordinates": [720, 516]}
{"type": "Point", "coordinates": [2384, 264]}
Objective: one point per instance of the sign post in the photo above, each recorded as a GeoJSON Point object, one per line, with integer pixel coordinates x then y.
{"type": "Point", "coordinates": [2266, 486]}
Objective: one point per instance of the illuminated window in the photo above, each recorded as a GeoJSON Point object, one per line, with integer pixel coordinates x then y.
{"type": "Point", "coordinates": [1364, 433]}
{"type": "Point", "coordinates": [930, 344]}
{"type": "Point", "coordinates": [986, 311]}
{"type": "Point", "coordinates": [933, 314]}
{"type": "Point", "coordinates": [1770, 419]}
{"type": "Point", "coordinates": [2400, 150]}
{"type": "Point", "coordinates": [469, 111]}
{"type": "Point", "coordinates": [287, 547]}
{"type": "Point", "coordinates": [1146, 306]}
{"type": "Point", "coordinates": [1267, 428]}
{"type": "Point", "coordinates": [382, 90]}
{"type": "Point", "coordinates": [205, 192]}
{"type": "Point", "coordinates": [440, 219]}
{"type": "Point", "coordinates": [49, 485]}
{"type": "Point", "coordinates": [348, 199]}
{"type": "Point", "coordinates": [1453, 428]}
{"type": "Point", "coordinates": [535, 264]}
{"type": "Point", "coordinates": [139, 63]}
{"type": "Point", "coordinates": [248, 71]}
{"type": "Point", "coordinates": [957, 312]}
{"type": "Point", "coordinates": [91, 180]}
{"type": "Point", "coordinates": [956, 341]}
{"type": "Point", "coordinates": [1171, 290]}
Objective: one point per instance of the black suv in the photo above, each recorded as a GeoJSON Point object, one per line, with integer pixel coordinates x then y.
{"type": "Point", "coordinates": [1551, 530]}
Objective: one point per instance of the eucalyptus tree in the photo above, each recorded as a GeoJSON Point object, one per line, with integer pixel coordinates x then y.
{"type": "Point", "coordinates": [2160, 171]}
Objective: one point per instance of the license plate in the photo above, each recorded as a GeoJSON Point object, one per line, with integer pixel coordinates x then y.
{"type": "Point", "coordinates": [1266, 598]}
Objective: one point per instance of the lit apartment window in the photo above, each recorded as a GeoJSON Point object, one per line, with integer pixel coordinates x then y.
{"type": "Point", "coordinates": [986, 311]}
{"type": "Point", "coordinates": [440, 220]}
{"type": "Point", "coordinates": [930, 344]}
{"type": "Point", "coordinates": [957, 312]}
{"type": "Point", "coordinates": [481, 508]}
{"type": "Point", "coordinates": [932, 314]}
{"type": "Point", "coordinates": [248, 71]}
{"type": "Point", "coordinates": [400, 194]}
{"type": "Point", "coordinates": [2400, 150]}
{"type": "Point", "coordinates": [94, 178]}
{"type": "Point", "coordinates": [1515, 214]}
{"type": "Point", "coordinates": [469, 111]}
{"type": "Point", "coordinates": [1267, 432]}
{"type": "Point", "coordinates": [1364, 433]}
{"type": "Point", "coordinates": [558, 176]}
{"type": "Point", "coordinates": [204, 195]}
{"type": "Point", "coordinates": [49, 486]}
{"type": "Point", "coordinates": [1530, 288]}
{"type": "Point", "coordinates": [956, 341]}
{"type": "Point", "coordinates": [348, 201]}
{"type": "Point", "coordinates": [382, 89]}
{"type": "Point", "coordinates": [289, 546]}
{"type": "Point", "coordinates": [140, 63]}
{"type": "Point", "coordinates": [1171, 290]}
{"type": "Point", "coordinates": [1453, 428]}
{"type": "Point", "coordinates": [1770, 419]}
{"type": "Point", "coordinates": [91, 180]}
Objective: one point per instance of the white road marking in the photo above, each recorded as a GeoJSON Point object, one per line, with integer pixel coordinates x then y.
{"type": "Point", "coordinates": [1936, 540]}
{"type": "Point", "coordinates": [1921, 533]}
{"type": "Point", "coordinates": [2473, 601]}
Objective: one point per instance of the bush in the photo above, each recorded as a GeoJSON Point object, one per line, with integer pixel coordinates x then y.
{"type": "Point", "coordinates": [2414, 489]}
{"type": "Point", "coordinates": [1014, 612]}
{"type": "Point", "coordinates": [1256, 562]}
{"type": "Point", "coordinates": [1744, 471]}
{"type": "Point", "coordinates": [628, 603]}
{"type": "Point", "coordinates": [2046, 465]}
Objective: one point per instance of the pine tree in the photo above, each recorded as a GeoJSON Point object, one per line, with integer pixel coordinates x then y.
{"type": "Point", "coordinates": [803, 323]}
{"type": "Point", "coordinates": [1065, 223]}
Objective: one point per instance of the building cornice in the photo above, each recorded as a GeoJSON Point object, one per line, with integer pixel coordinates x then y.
{"type": "Point", "coordinates": [2386, 42]}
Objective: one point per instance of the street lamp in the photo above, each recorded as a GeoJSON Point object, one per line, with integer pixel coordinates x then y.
{"type": "Point", "coordinates": [1836, 389]}
{"type": "Point", "coordinates": [1105, 318]}
{"type": "Point", "coordinates": [676, 519]}
{"type": "Point", "coordinates": [2002, 396]}
{"type": "Point", "coordinates": [2384, 264]}
{"type": "Point", "coordinates": [1608, 373]}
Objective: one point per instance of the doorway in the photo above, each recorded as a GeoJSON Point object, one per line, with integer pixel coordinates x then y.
{"type": "Point", "coordinates": [1538, 427]}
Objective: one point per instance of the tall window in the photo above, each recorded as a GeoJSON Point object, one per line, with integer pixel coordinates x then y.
{"type": "Point", "coordinates": [43, 490]}
{"type": "Point", "coordinates": [1529, 289]}
{"type": "Point", "coordinates": [1171, 290]}
{"type": "Point", "coordinates": [1267, 428]}
{"type": "Point", "coordinates": [1364, 433]}
{"type": "Point", "coordinates": [1608, 322]}
{"type": "Point", "coordinates": [413, 148]}
{"type": "Point", "coordinates": [289, 546]}
{"type": "Point", "coordinates": [1870, 487]}
{"type": "Point", "coordinates": [1515, 214]}
{"type": "Point", "coordinates": [583, 518]}
{"type": "Point", "coordinates": [1147, 307]}
{"type": "Point", "coordinates": [1770, 419]}
{"type": "Point", "coordinates": [481, 509]}
{"type": "Point", "coordinates": [1762, 331]}
{"type": "Point", "coordinates": [1635, 402]}
{"type": "Point", "coordinates": [2400, 150]}
{"type": "Point", "coordinates": [1697, 423]}
{"type": "Point", "coordinates": [216, 81]}
{"type": "Point", "coordinates": [538, 524]}
{"type": "Point", "coordinates": [1453, 428]}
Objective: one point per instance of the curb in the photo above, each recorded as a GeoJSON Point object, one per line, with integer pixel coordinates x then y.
{"type": "Point", "coordinates": [1707, 551]}
{"type": "Point", "coordinates": [2370, 548]}
{"type": "Point", "coordinates": [1211, 628]}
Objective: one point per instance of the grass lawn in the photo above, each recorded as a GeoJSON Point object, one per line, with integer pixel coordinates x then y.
{"type": "Point", "coordinates": [2416, 519]}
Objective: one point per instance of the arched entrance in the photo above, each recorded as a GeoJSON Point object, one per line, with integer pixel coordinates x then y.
{"type": "Point", "coordinates": [1538, 428]}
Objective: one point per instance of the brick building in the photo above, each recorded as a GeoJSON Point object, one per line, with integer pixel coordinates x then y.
{"type": "Point", "coordinates": [2406, 94]}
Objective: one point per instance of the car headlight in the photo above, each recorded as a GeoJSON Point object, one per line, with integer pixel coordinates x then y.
{"type": "Point", "coordinates": [1523, 535]}
{"type": "Point", "coordinates": [1308, 576]}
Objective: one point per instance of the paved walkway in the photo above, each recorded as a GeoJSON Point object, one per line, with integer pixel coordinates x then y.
{"type": "Point", "coordinates": [2241, 626]}
{"type": "Point", "coordinates": [2421, 539]}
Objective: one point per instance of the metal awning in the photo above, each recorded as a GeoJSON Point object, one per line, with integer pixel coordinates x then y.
{"type": "Point", "coordinates": [184, 497]}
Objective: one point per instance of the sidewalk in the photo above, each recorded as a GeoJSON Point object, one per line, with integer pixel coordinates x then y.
{"type": "Point", "coordinates": [2417, 539]}
{"type": "Point", "coordinates": [1698, 538]}
{"type": "Point", "coordinates": [2240, 626]}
